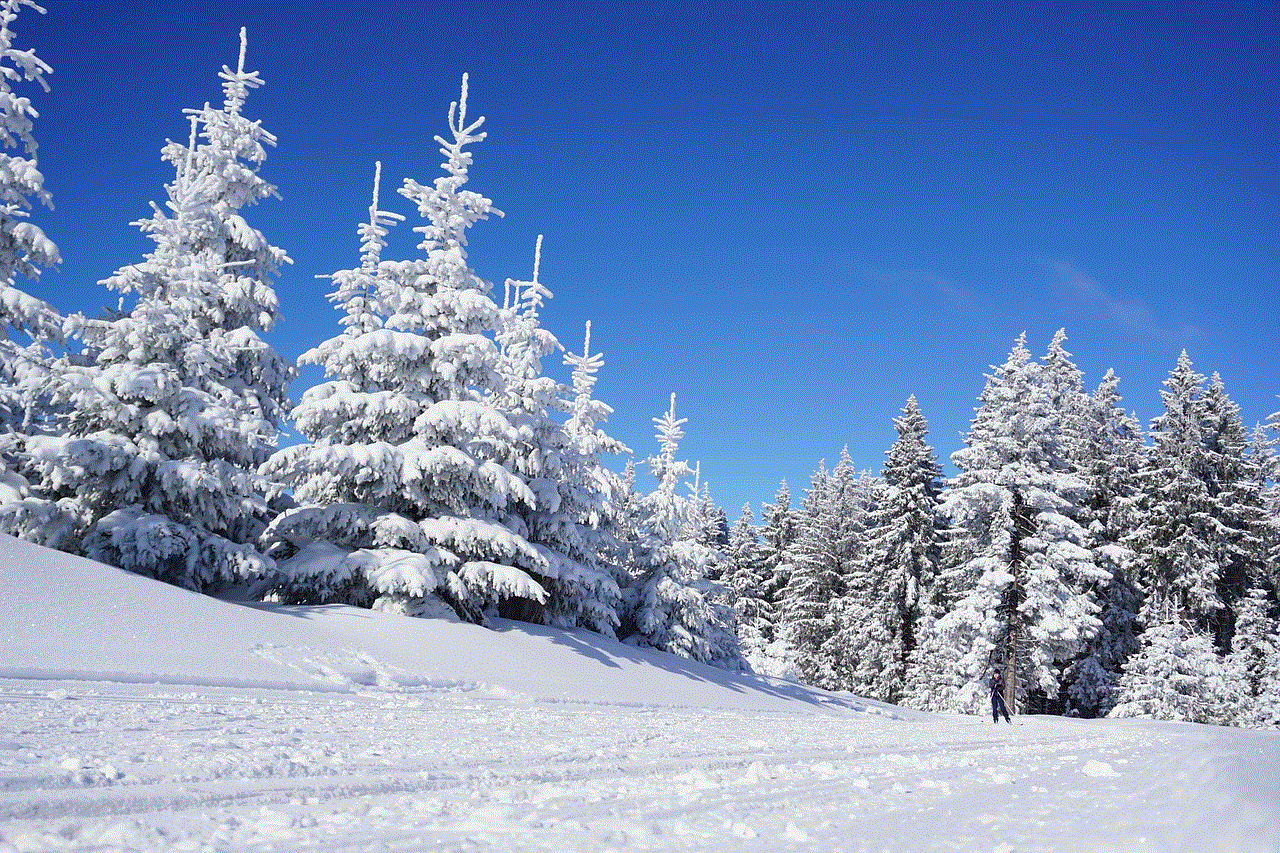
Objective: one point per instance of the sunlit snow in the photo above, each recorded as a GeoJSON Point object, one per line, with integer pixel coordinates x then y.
{"type": "Point", "coordinates": [139, 716]}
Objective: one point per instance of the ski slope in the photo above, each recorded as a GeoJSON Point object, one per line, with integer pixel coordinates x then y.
{"type": "Point", "coordinates": [138, 716]}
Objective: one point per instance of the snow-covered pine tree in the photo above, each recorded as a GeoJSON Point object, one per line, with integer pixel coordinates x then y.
{"type": "Point", "coordinates": [1238, 506]}
{"type": "Point", "coordinates": [561, 464]}
{"type": "Point", "coordinates": [421, 486]}
{"type": "Point", "coordinates": [1176, 674]}
{"type": "Point", "coordinates": [820, 610]}
{"type": "Point", "coordinates": [175, 402]}
{"type": "Point", "coordinates": [594, 493]}
{"type": "Point", "coordinates": [805, 613]}
{"type": "Point", "coordinates": [348, 419]}
{"type": "Point", "coordinates": [1022, 573]}
{"type": "Point", "coordinates": [1112, 454]}
{"type": "Point", "coordinates": [671, 604]}
{"type": "Point", "coordinates": [1254, 663]}
{"type": "Point", "coordinates": [1177, 538]}
{"type": "Point", "coordinates": [1264, 454]}
{"type": "Point", "coordinates": [901, 559]}
{"type": "Point", "coordinates": [743, 576]}
{"type": "Point", "coordinates": [850, 504]}
{"type": "Point", "coordinates": [778, 531]}
{"type": "Point", "coordinates": [27, 324]}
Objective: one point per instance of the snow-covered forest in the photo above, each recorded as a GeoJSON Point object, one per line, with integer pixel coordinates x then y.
{"type": "Point", "coordinates": [442, 469]}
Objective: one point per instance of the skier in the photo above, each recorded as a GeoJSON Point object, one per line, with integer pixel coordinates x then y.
{"type": "Point", "coordinates": [998, 706]}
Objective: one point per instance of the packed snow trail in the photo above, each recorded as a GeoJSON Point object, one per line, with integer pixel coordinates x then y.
{"type": "Point", "coordinates": [131, 767]}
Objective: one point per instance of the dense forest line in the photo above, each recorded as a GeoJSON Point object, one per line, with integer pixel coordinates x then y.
{"type": "Point", "coordinates": [1106, 569]}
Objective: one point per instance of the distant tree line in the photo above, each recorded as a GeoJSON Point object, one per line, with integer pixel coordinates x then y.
{"type": "Point", "coordinates": [1104, 571]}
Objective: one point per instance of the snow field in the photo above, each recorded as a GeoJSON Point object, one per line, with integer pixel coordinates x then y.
{"type": "Point", "coordinates": [135, 767]}
{"type": "Point", "coordinates": [136, 716]}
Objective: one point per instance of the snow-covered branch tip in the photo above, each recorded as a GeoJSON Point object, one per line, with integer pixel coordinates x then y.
{"type": "Point", "coordinates": [462, 132]}
{"type": "Point", "coordinates": [244, 46]}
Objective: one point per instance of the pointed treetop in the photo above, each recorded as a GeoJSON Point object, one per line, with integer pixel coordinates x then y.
{"type": "Point", "coordinates": [236, 84]}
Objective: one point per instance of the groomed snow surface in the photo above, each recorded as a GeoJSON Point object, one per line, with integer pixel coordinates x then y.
{"type": "Point", "coordinates": [137, 716]}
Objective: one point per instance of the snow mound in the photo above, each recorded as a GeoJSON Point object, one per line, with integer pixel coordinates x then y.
{"type": "Point", "coordinates": [67, 618]}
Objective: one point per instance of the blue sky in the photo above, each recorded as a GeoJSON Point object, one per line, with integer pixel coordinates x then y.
{"type": "Point", "coordinates": [792, 218]}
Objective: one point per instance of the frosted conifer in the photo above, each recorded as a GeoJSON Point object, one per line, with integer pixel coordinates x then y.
{"type": "Point", "coordinates": [569, 523]}
{"type": "Point", "coordinates": [672, 604]}
{"type": "Point", "coordinates": [1176, 542]}
{"type": "Point", "coordinates": [901, 559]}
{"type": "Point", "coordinates": [27, 324]}
{"type": "Point", "coordinates": [176, 400]}
{"type": "Point", "coordinates": [1023, 574]}
{"type": "Point", "coordinates": [1112, 456]}
{"type": "Point", "coordinates": [1254, 662]}
{"type": "Point", "coordinates": [420, 485]}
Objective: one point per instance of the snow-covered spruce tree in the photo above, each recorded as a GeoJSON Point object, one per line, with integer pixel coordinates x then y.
{"type": "Point", "coordinates": [1254, 663]}
{"type": "Point", "coordinates": [348, 419]}
{"type": "Point", "coordinates": [743, 576]}
{"type": "Point", "coordinates": [1238, 506]}
{"type": "Point", "coordinates": [175, 402]}
{"type": "Point", "coordinates": [778, 532]}
{"type": "Point", "coordinates": [672, 605]}
{"type": "Point", "coordinates": [1176, 675]}
{"type": "Point", "coordinates": [27, 324]}
{"type": "Point", "coordinates": [805, 611]}
{"type": "Point", "coordinates": [901, 558]}
{"type": "Point", "coordinates": [1264, 454]}
{"type": "Point", "coordinates": [848, 511]}
{"type": "Point", "coordinates": [1177, 538]}
{"type": "Point", "coordinates": [570, 520]}
{"type": "Point", "coordinates": [408, 475]}
{"type": "Point", "coordinates": [1187, 538]}
{"type": "Point", "coordinates": [820, 609]}
{"type": "Point", "coordinates": [1022, 572]}
{"type": "Point", "coordinates": [1112, 455]}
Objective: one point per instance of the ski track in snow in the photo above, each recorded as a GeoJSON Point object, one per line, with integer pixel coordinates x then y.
{"type": "Point", "coordinates": [105, 766]}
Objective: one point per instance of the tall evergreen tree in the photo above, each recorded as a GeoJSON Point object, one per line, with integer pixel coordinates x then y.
{"type": "Point", "coordinates": [805, 612]}
{"type": "Point", "coordinates": [673, 605]}
{"type": "Point", "coordinates": [27, 324]}
{"type": "Point", "coordinates": [176, 402]}
{"type": "Point", "coordinates": [778, 532]}
{"type": "Point", "coordinates": [1177, 539]}
{"type": "Point", "coordinates": [744, 579]}
{"type": "Point", "coordinates": [1022, 568]}
{"type": "Point", "coordinates": [1234, 484]}
{"type": "Point", "coordinates": [422, 486]}
{"type": "Point", "coordinates": [1112, 456]}
{"type": "Point", "coordinates": [821, 608]}
{"type": "Point", "coordinates": [564, 473]}
{"type": "Point", "coordinates": [901, 558]}
{"type": "Point", "coordinates": [1265, 457]}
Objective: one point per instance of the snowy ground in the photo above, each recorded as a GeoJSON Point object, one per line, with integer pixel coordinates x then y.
{"type": "Point", "coordinates": [135, 716]}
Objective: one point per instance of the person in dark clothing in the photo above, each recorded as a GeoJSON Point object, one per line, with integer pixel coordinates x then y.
{"type": "Point", "coordinates": [998, 706]}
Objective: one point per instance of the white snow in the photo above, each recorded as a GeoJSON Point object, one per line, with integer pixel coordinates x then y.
{"type": "Point", "coordinates": [138, 716]}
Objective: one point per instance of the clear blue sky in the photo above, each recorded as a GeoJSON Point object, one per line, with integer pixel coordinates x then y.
{"type": "Point", "coordinates": [792, 218]}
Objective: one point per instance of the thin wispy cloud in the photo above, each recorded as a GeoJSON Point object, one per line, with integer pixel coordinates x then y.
{"type": "Point", "coordinates": [918, 276]}
{"type": "Point", "coordinates": [1130, 314]}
